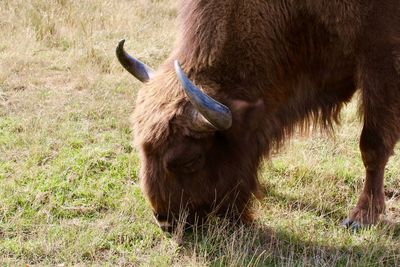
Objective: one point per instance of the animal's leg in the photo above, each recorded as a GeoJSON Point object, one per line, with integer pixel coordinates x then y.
{"type": "Point", "coordinates": [381, 104]}
{"type": "Point", "coordinates": [371, 203]}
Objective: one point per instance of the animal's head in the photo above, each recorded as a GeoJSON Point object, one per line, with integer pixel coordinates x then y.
{"type": "Point", "coordinates": [196, 153]}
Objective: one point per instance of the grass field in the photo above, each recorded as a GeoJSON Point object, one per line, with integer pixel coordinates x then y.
{"type": "Point", "coordinates": [69, 193]}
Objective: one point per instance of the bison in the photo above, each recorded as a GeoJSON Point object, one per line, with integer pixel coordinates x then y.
{"type": "Point", "coordinates": [242, 77]}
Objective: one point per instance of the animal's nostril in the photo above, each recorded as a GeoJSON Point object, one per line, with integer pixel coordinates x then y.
{"type": "Point", "coordinates": [165, 226]}
{"type": "Point", "coordinates": [162, 221]}
{"type": "Point", "coordinates": [160, 216]}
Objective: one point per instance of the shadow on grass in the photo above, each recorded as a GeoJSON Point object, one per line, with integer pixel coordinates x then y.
{"type": "Point", "coordinates": [320, 209]}
{"type": "Point", "coordinates": [220, 243]}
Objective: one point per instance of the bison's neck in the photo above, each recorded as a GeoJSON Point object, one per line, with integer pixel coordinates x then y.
{"type": "Point", "coordinates": [205, 28]}
{"type": "Point", "coordinates": [297, 56]}
{"type": "Point", "coordinates": [256, 44]}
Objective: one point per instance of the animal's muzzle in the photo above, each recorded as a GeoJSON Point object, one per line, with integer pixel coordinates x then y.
{"type": "Point", "coordinates": [163, 222]}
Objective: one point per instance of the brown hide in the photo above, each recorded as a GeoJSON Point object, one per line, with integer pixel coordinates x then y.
{"type": "Point", "coordinates": [277, 65]}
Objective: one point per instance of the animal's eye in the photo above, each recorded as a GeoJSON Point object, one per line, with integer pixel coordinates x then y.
{"type": "Point", "coordinates": [190, 162]}
{"type": "Point", "coordinates": [186, 164]}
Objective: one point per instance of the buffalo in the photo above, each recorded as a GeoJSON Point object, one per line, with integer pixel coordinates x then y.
{"type": "Point", "coordinates": [242, 77]}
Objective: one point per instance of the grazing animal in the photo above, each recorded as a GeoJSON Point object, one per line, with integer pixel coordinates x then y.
{"type": "Point", "coordinates": [242, 76]}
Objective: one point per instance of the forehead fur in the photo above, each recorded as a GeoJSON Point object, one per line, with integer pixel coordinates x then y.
{"type": "Point", "coordinates": [158, 102]}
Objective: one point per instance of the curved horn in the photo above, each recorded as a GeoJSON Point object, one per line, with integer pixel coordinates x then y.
{"type": "Point", "coordinates": [138, 69]}
{"type": "Point", "coordinates": [214, 112]}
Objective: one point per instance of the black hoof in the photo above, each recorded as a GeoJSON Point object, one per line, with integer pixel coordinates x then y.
{"type": "Point", "coordinates": [346, 223]}
{"type": "Point", "coordinates": [352, 225]}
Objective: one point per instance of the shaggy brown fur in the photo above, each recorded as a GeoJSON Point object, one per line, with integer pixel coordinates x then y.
{"type": "Point", "coordinates": [277, 64]}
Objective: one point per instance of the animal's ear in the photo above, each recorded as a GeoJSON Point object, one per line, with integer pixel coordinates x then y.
{"type": "Point", "coordinates": [247, 115]}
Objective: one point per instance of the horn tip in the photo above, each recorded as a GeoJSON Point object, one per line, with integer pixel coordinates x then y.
{"type": "Point", "coordinates": [120, 47]}
{"type": "Point", "coordinates": [121, 42]}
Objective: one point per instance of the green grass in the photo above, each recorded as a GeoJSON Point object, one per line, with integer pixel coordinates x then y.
{"type": "Point", "coordinates": [69, 192]}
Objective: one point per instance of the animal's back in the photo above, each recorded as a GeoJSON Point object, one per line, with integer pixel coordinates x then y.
{"type": "Point", "coordinates": [259, 44]}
